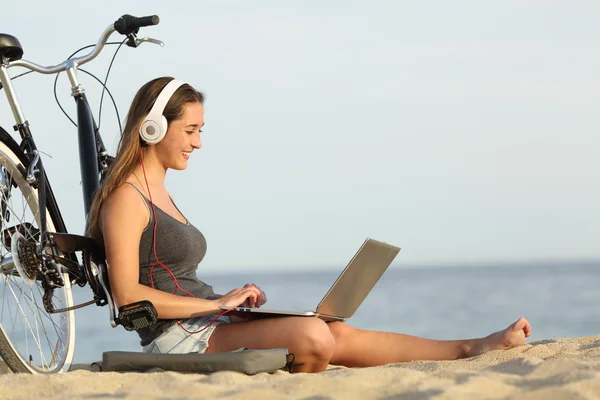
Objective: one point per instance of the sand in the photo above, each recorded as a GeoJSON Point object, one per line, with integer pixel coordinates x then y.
{"type": "Point", "coordinates": [548, 369]}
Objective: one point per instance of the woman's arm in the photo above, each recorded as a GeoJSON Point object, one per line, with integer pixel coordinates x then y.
{"type": "Point", "coordinates": [123, 218]}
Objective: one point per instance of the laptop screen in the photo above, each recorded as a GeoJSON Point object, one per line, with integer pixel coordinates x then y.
{"type": "Point", "coordinates": [357, 279]}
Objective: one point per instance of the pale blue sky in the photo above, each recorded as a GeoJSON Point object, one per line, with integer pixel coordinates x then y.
{"type": "Point", "coordinates": [464, 132]}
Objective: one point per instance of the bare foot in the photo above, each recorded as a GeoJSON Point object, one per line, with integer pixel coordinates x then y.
{"type": "Point", "coordinates": [512, 336]}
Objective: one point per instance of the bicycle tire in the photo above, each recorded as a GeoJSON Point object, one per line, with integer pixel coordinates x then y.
{"type": "Point", "coordinates": [56, 349]}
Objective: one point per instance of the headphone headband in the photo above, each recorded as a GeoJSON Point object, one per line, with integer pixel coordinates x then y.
{"type": "Point", "coordinates": [163, 98]}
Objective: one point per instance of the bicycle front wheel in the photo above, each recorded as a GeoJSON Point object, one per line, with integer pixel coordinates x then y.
{"type": "Point", "coordinates": [31, 339]}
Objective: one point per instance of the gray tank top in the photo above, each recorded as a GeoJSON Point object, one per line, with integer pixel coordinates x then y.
{"type": "Point", "coordinates": [180, 247]}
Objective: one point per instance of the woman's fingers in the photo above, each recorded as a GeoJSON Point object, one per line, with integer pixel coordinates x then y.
{"type": "Point", "coordinates": [242, 296]}
{"type": "Point", "coordinates": [251, 295]}
{"type": "Point", "coordinates": [258, 300]}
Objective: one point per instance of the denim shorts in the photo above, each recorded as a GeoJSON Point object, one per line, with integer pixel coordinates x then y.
{"type": "Point", "coordinates": [176, 340]}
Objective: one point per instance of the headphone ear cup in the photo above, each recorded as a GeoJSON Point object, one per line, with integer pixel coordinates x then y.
{"type": "Point", "coordinates": [150, 132]}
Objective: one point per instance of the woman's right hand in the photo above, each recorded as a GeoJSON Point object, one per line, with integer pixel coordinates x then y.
{"type": "Point", "coordinates": [238, 296]}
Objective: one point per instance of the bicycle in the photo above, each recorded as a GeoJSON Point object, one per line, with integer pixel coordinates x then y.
{"type": "Point", "coordinates": [40, 260]}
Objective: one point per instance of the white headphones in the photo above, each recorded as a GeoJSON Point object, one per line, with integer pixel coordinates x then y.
{"type": "Point", "coordinates": [154, 127]}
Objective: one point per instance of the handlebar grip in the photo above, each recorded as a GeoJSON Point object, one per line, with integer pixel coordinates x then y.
{"type": "Point", "coordinates": [146, 21]}
{"type": "Point", "coordinates": [128, 24]}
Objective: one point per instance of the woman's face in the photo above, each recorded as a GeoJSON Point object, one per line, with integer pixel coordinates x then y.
{"type": "Point", "coordinates": [182, 138]}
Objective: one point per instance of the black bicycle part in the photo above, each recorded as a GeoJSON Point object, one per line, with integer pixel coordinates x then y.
{"type": "Point", "coordinates": [128, 24]}
{"type": "Point", "coordinates": [94, 262]}
{"type": "Point", "coordinates": [10, 47]}
{"type": "Point", "coordinates": [137, 315]}
{"type": "Point", "coordinates": [88, 151]}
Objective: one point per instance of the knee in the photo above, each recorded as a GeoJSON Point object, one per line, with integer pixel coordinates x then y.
{"type": "Point", "coordinates": [340, 330]}
{"type": "Point", "coordinates": [318, 340]}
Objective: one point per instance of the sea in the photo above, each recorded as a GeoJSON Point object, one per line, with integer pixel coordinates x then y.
{"type": "Point", "coordinates": [560, 299]}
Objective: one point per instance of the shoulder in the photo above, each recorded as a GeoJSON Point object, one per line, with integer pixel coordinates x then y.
{"type": "Point", "coordinates": [125, 206]}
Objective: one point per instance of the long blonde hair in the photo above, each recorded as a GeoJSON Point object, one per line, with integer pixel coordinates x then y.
{"type": "Point", "coordinates": [127, 158]}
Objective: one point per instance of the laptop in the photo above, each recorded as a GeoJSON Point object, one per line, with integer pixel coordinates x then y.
{"type": "Point", "coordinates": [347, 293]}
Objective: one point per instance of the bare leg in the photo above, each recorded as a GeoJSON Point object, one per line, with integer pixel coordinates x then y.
{"type": "Point", "coordinates": [317, 344]}
{"type": "Point", "coordinates": [309, 339]}
{"type": "Point", "coordinates": [361, 348]}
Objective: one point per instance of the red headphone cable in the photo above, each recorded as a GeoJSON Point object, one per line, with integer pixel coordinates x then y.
{"type": "Point", "coordinates": [164, 266]}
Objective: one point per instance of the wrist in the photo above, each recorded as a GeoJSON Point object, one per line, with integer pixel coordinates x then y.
{"type": "Point", "coordinates": [217, 303]}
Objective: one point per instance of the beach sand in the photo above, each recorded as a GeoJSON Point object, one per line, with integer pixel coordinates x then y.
{"type": "Point", "coordinates": [547, 369]}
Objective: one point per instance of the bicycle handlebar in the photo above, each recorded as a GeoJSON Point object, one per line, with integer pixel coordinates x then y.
{"type": "Point", "coordinates": [125, 25]}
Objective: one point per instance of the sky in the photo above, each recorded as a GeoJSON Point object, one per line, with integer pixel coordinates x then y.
{"type": "Point", "coordinates": [465, 132]}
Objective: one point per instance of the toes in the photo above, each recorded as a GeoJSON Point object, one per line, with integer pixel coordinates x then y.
{"type": "Point", "coordinates": [521, 324]}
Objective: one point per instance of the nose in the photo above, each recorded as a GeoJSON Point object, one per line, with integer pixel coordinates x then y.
{"type": "Point", "coordinates": [196, 141]}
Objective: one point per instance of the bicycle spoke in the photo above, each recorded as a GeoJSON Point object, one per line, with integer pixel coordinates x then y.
{"type": "Point", "coordinates": [18, 302]}
{"type": "Point", "coordinates": [37, 330]}
{"type": "Point", "coordinates": [25, 318]}
{"type": "Point", "coordinates": [43, 327]}
{"type": "Point", "coordinates": [35, 334]}
{"type": "Point", "coordinates": [48, 316]}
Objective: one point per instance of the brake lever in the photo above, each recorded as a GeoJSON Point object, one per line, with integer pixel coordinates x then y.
{"type": "Point", "coordinates": [134, 41]}
{"type": "Point", "coordinates": [139, 41]}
